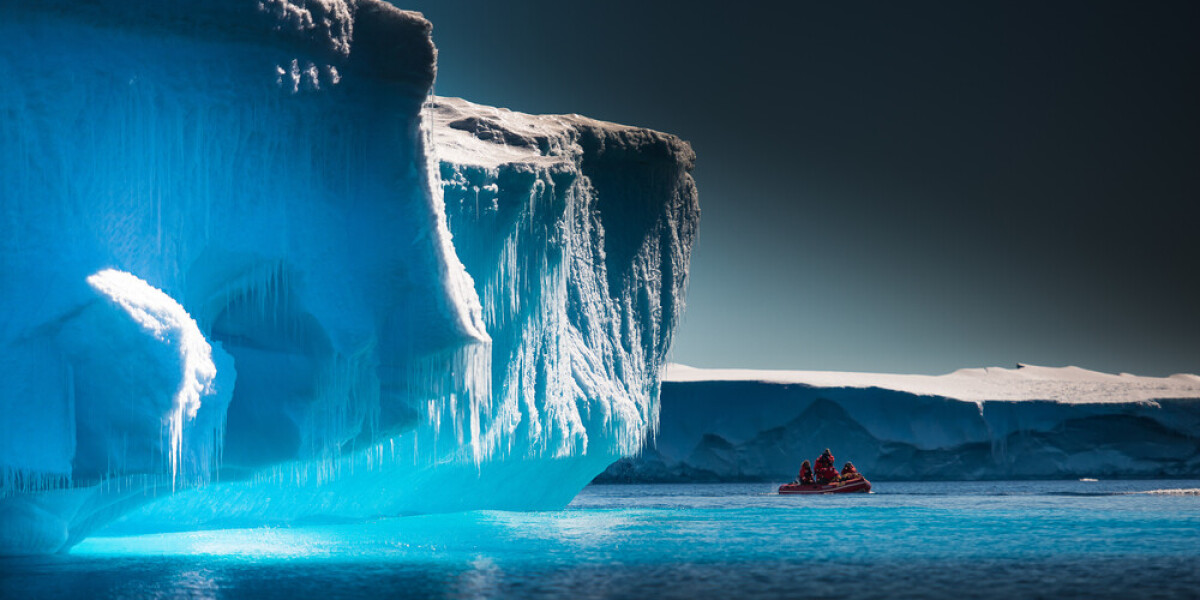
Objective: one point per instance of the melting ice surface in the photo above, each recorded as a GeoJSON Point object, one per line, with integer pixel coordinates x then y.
{"type": "Point", "coordinates": [923, 540]}
{"type": "Point", "coordinates": [252, 272]}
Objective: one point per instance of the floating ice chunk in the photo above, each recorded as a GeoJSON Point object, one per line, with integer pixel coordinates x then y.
{"type": "Point", "coordinates": [1174, 492]}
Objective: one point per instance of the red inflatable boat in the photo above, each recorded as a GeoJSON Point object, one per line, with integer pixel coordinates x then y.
{"type": "Point", "coordinates": [849, 486]}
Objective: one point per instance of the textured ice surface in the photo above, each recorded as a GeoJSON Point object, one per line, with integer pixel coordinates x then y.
{"type": "Point", "coordinates": [578, 233]}
{"type": "Point", "coordinates": [233, 265]}
{"type": "Point", "coordinates": [1028, 422]}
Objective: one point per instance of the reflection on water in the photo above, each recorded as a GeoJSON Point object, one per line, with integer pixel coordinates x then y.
{"type": "Point", "coordinates": [190, 584]}
{"type": "Point", "coordinates": [481, 581]}
{"type": "Point", "coordinates": [913, 540]}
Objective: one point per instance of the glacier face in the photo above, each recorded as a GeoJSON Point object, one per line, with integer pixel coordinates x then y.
{"type": "Point", "coordinates": [1025, 423]}
{"type": "Point", "coordinates": [581, 277]}
{"type": "Point", "coordinates": [250, 276]}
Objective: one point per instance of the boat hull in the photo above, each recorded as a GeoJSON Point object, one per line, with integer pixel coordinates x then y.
{"type": "Point", "coordinates": [860, 485]}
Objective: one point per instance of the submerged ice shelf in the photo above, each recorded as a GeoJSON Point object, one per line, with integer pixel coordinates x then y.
{"type": "Point", "coordinates": [1028, 422]}
{"type": "Point", "coordinates": [315, 292]}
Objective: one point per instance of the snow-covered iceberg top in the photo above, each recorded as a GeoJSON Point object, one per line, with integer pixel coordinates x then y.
{"type": "Point", "coordinates": [486, 136]}
{"type": "Point", "coordinates": [1025, 382]}
{"type": "Point", "coordinates": [578, 233]}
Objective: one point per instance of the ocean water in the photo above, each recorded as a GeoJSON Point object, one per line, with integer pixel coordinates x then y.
{"type": "Point", "coordinates": [1138, 539]}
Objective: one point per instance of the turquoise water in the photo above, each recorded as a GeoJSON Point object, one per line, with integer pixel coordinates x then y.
{"type": "Point", "coordinates": [932, 540]}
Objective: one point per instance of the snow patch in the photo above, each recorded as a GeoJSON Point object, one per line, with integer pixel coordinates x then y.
{"type": "Point", "coordinates": [330, 21]}
{"type": "Point", "coordinates": [1026, 382]}
{"type": "Point", "coordinates": [162, 317]}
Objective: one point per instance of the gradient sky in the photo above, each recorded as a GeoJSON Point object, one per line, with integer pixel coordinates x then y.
{"type": "Point", "coordinates": [900, 187]}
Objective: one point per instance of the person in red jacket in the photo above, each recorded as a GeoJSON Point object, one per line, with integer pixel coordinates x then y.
{"type": "Point", "coordinates": [805, 476]}
{"type": "Point", "coordinates": [826, 472]}
{"type": "Point", "coordinates": [849, 472]}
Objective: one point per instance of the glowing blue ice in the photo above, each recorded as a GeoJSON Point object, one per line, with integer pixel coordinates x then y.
{"type": "Point", "coordinates": [381, 342]}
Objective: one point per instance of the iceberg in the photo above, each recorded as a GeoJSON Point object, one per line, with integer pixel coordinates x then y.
{"type": "Point", "coordinates": [1029, 422]}
{"type": "Point", "coordinates": [254, 273]}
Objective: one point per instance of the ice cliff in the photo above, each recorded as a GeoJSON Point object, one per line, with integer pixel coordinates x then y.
{"type": "Point", "coordinates": [1024, 423]}
{"type": "Point", "coordinates": [250, 272]}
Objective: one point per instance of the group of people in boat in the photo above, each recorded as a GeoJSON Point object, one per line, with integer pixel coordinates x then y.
{"type": "Point", "coordinates": [825, 472]}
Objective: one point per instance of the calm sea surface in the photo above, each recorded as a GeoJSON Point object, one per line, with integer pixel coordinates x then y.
{"type": "Point", "coordinates": [1074, 539]}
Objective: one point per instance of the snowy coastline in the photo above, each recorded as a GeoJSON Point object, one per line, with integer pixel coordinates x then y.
{"type": "Point", "coordinates": [1024, 423]}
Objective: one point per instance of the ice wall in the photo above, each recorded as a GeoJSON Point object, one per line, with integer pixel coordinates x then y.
{"type": "Point", "coordinates": [1028, 422]}
{"type": "Point", "coordinates": [579, 234]}
{"type": "Point", "coordinates": [266, 168]}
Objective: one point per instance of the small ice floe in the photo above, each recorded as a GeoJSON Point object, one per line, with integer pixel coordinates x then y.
{"type": "Point", "coordinates": [1174, 492]}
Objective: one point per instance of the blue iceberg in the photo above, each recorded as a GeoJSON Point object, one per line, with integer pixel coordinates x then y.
{"type": "Point", "coordinates": [254, 273]}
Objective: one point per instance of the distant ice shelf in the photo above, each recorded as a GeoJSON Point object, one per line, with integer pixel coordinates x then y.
{"type": "Point", "coordinates": [252, 272]}
{"type": "Point", "coordinates": [993, 423]}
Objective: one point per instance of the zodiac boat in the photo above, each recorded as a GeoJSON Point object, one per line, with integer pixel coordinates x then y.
{"type": "Point", "coordinates": [846, 486]}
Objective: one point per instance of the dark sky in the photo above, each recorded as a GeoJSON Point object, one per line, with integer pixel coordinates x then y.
{"type": "Point", "coordinates": [885, 186]}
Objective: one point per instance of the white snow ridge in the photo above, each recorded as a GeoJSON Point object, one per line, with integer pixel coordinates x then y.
{"type": "Point", "coordinates": [1025, 382]}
